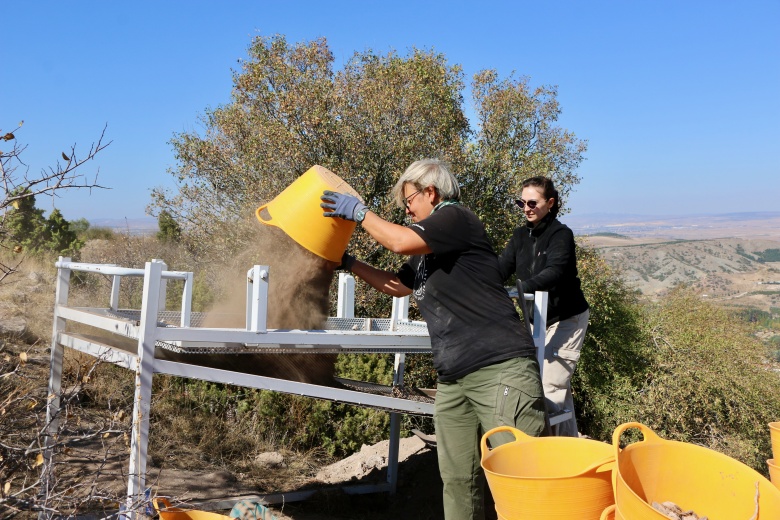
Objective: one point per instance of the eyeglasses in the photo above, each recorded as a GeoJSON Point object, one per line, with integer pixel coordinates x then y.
{"type": "Point", "coordinates": [408, 199]}
{"type": "Point", "coordinates": [531, 203]}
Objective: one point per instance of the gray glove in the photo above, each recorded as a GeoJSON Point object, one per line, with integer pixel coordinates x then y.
{"type": "Point", "coordinates": [341, 205]}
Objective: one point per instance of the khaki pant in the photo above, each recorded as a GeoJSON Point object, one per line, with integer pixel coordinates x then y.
{"type": "Point", "coordinates": [507, 393]}
{"type": "Point", "coordinates": [562, 351]}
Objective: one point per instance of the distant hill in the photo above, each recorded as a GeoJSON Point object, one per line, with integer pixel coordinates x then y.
{"type": "Point", "coordinates": [761, 225]}
{"type": "Point", "coordinates": [732, 271]}
{"type": "Point", "coordinates": [134, 226]}
{"type": "Point", "coordinates": [733, 259]}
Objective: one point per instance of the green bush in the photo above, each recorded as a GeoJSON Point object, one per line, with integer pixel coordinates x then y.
{"type": "Point", "coordinates": [613, 360]}
{"type": "Point", "coordinates": [689, 370]}
{"type": "Point", "coordinates": [32, 233]}
{"type": "Point", "coordinates": [709, 384]}
{"type": "Point", "coordinates": [85, 231]}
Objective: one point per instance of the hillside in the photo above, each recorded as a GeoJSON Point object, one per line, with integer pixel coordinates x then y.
{"type": "Point", "coordinates": [654, 255]}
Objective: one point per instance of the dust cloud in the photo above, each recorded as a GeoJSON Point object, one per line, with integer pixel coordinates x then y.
{"type": "Point", "coordinates": [299, 282]}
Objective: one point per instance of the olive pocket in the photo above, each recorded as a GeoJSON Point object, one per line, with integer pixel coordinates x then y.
{"type": "Point", "coordinates": [520, 402]}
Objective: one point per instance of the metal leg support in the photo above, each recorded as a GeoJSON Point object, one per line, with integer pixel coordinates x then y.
{"type": "Point", "coordinates": [55, 380]}
{"type": "Point", "coordinates": [143, 387]}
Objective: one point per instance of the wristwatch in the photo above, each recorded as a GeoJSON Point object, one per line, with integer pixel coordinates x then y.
{"type": "Point", "coordinates": [360, 215]}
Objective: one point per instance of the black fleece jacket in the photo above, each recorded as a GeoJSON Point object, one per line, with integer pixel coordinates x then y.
{"type": "Point", "coordinates": [543, 259]}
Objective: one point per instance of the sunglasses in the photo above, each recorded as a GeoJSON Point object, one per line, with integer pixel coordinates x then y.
{"type": "Point", "coordinates": [408, 199]}
{"type": "Point", "coordinates": [531, 203]}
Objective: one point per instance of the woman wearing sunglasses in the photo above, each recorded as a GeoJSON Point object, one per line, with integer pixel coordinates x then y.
{"type": "Point", "coordinates": [488, 374]}
{"type": "Point", "coordinates": [541, 255]}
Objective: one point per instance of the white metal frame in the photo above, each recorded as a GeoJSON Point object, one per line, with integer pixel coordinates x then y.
{"type": "Point", "coordinates": [402, 336]}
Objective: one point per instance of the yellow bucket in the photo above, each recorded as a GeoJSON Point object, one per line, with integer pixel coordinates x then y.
{"type": "Point", "coordinates": [609, 513]}
{"type": "Point", "coordinates": [774, 472]}
{"type": "Point", "coordinates": [774, 433]}
{"type": "Point", "coordinates": [163, 507]}
{"type": "Point", "coordinates": [297, 211]}
{"type": "Point", "coordinates": [548, 477]}
{"type": "Point", "coordinates": [693, 477]}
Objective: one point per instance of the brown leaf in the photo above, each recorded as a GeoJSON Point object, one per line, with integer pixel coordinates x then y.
{"type": "Point", "coordinates": [23, 357]}
{"type": "Point", "coordinates": [38, 460]}
{"type": "Point", "coordinates": [65, 156]}
{"type": "Point", "coordinates": [8, 136]}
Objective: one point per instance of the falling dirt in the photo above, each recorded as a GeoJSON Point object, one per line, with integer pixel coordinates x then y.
{"type": "Point", "coordinates": [299, 282]}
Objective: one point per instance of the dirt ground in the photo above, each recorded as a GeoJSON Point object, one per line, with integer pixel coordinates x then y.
{"type": "Point", "coordinates": [97, 466]}
{"type": "Point", "coordinates": [418, 492]}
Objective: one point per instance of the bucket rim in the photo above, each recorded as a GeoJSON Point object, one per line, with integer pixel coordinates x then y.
{"type": "Point", "coordinates": [602, 465]}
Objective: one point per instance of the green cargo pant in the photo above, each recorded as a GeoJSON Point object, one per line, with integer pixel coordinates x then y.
{"type": "Point", "coordinates": [508, 393]}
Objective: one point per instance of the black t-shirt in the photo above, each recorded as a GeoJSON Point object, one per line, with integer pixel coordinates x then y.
{"type": "Point", "coordinates": [471, 320]}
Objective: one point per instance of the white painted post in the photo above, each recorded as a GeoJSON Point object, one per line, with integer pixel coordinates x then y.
{"type": "Point", "coordinates": [55, 377]}
{"type": "Point", "coordinates": [400, 312]}
{"type": "Point", "coordinates": [257, 298]}
{"type": "Point", "coordinates": [186, 301]}
{"type": "Point", "coordinates": [346, 302]}
{"type": "Point", "coordinates": [143, 386]}
{"type": "Point", "coordinates": [163, 286]}
{"type": "Point", "coordinates": [540, 326]}
{"type": "Point", "coordinates": [114, 302]}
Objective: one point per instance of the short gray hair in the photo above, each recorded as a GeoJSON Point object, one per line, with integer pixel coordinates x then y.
{"type": "Point", "coordinates": [424, 173]}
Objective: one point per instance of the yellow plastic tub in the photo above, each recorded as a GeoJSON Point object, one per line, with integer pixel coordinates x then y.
{"type": "Point", "coordinates": [774, 433]}
{"type": "Point", "coordinates": [551, 478]}
{"type": "Point", "coordinates": [693, 477]}
{"type": "Point", "coordinates": [297, 211]}
{"type": "Point", "coordinates": [774, 472]}
{"type": "Point", "coordinates": [166, 512]}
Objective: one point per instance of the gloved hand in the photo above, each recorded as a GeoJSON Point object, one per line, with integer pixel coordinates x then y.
{"type": "Point", "coordinates": [342, 205]}
{"type": "Point", "coordinates": [347, 261]}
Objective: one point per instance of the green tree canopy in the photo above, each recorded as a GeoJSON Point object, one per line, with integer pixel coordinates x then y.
{"type": "Point", "coordinates": [367, 122]}
{"type": "Point", "coordinates": [169, 229]}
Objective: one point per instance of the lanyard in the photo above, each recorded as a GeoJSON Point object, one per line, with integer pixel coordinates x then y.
{"type": "Point", "coordinates": [444, 203]}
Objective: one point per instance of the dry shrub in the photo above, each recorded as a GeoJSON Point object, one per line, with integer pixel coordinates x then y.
{"type": "Point", "coordinates": [28, 294]}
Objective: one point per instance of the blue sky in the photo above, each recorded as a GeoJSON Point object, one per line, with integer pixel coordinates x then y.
{"type": "Point", "coordinates": [679, 100]}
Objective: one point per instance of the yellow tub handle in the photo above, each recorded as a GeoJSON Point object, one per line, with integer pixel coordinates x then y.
{"type": "Point", "coordinates": [520, 436]}
{"type": "Point", "coordinates": [156, 501]}
{"type": "Point", "coordinates": [609, 510]}
{"type": "Point", "coordinates": [270, 220]}
{"type": "Point", "coordinates": [605, 464]}
{"type": "Point", "coordinates": [647, 434]}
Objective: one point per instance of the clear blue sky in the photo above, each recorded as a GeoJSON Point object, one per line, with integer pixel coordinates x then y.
{"type": "Point", "coordinates": [679, 100]}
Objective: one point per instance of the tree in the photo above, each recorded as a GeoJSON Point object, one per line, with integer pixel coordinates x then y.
{"type": "Point", "coordinates": [21, 188]}
{"type": "Point", "coordinates": [24, 225]}
{"type": "Point", "coordinates": [516, 138]}
{"type": "Point", "coordinates": [61, 239]}
{"type": "Point", "coordinates": [169, 229]}
{"type": "Point", "coordinates": [29, 232]}
{"type": "Point", "coordinates": [291, 110]}
{"type": "Point", "coordinates": [366, 122]}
